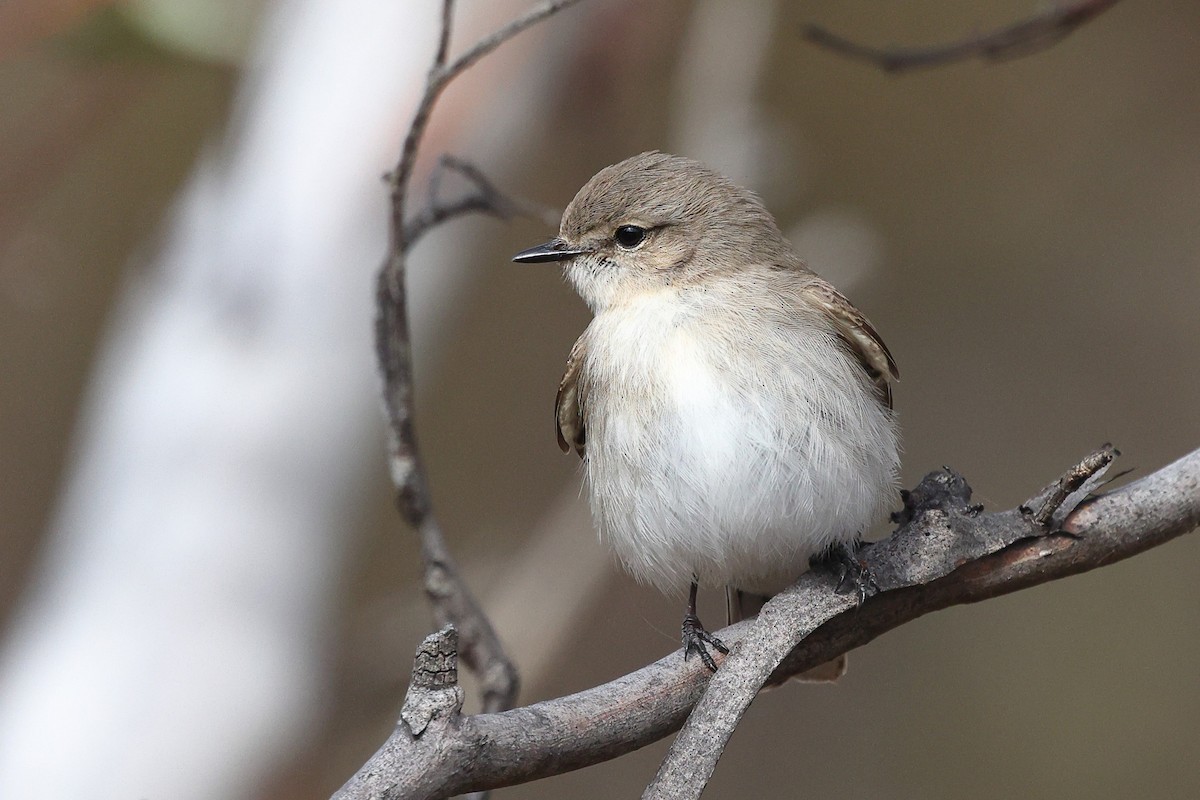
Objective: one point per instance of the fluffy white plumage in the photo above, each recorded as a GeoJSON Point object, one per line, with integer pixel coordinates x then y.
{"type": "Point", "coordinates": [728, 436]}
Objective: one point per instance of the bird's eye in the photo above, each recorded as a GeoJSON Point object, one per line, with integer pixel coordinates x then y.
{"type": "Point", "coordinates": [629, 236]}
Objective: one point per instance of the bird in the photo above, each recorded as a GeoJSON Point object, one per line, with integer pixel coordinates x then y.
{"type": "Point", "coordinates": [732, 408]}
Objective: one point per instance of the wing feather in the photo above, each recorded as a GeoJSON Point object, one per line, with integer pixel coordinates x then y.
{"type": "Point", "coordinates": [568, 406]}
{"type": "Point", "coordinates": [857, 331]}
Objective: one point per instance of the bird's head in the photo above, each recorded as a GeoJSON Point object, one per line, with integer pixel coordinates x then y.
{"type": "Point", "coordinates": [654, 221]}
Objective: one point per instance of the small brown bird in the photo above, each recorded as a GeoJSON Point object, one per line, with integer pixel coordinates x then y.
{"type": "Point", "coordinates": [732, 408]}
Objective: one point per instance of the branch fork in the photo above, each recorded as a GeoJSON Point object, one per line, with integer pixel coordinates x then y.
{"type": "Point", "coordinates": [1061, 497]}
{"type": "Point", "coordinates": [939, 532]}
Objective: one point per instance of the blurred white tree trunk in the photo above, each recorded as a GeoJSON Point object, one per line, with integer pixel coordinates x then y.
{"type": "Point", "coordinates": [171, 645]}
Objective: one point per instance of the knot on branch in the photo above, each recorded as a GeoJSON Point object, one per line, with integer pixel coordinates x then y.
{"type": "Point", "coordinates": [433, 692]}
{"type": "Point", "coordinates": [943, 490]}
{"type": "Point", "coordinates": [440, 583]}
{"type": "Point", "coordinates": [938, 529]}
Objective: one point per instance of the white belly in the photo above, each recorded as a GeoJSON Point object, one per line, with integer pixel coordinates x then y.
{"type": "Point", "coordinates": [731, 458]}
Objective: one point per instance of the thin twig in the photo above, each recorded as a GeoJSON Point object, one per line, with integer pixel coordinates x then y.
{"type": "Point", "coordinates": [440, 76]}
{"type": "Point", "coordinates": [483, 198]}
{"type": "Point", "coordinates": [452, 601]}
{"type": "Point", "coordinates": [1070, 484]}
{"type": "Point", "coordinates": [941, 528]}
{"type": "Point", "coordinates": [490, 43]}
{"type": "Point", "coordinates": [1021, 38]}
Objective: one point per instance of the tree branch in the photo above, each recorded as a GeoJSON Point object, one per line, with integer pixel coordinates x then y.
{"type": "Point", "coordinates": [449, 596]}
{"type": "Point", "coordinates": [894, 564]}
{"type": "Point", "coordinates": [483, 198]}
{"type": "Point", "coordinates": [986, 555]}
{"type": "Point", "coordinates": [1012, 41]}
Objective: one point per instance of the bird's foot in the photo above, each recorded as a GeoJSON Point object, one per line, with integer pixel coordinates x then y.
{"type": "Point", "coordinates": [855, 575]}
{"type": "Point", "coordinates": [697, 640]}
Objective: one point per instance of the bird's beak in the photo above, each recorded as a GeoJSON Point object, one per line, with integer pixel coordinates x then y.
{"type": "Point", "coordinates": [553, 250]}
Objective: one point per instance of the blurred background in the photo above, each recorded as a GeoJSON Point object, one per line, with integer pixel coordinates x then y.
{"type": "Point", "coordinates": [204, 590]}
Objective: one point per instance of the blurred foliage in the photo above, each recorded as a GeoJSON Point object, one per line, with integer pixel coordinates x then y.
{"type": "Point", "coordinates": [219, 31]}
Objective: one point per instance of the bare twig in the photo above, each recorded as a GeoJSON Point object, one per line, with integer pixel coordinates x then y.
{"type": "Point", "coordinates": [987, 555]}
{"type": "Point", "coordinates": [452, 601]}
{"type": "Point", "coordinates": [1022, 38]}
{"type": "Point", "coordinates": [1073, 486]}
{"type": "Point", "coordinates": [483, 198]}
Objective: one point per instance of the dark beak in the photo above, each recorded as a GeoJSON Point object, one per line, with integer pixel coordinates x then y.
{"type": "Point", "coordinates": [553, 250]}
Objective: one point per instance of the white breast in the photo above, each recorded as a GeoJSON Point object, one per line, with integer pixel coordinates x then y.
{"type": "Point", "coordinates": [725, 445]}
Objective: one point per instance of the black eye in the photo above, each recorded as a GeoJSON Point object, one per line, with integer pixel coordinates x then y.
{"type": "Point", "coordinates": [629, 236]}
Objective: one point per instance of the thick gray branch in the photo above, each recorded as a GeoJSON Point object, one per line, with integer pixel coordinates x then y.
{"type": "Point", "coordinates": [939, 527]}
{"type": "Point", "coordinates": [953, 533]}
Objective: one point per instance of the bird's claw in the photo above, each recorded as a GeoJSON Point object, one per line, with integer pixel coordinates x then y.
{"type": "Point", "coordinates": [697, 640]}
{"type": "Point", "coordinates": [855, 575]}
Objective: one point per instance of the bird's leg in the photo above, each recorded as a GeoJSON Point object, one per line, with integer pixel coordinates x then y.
{"type": "Point", "coordinates": [854, 573]}
{"type": "Point", "coordinates": [695, 638]}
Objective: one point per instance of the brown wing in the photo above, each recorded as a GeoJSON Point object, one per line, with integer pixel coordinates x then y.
{"type": "Point", "coordinates": [863, 339]}
{"type": "Point", "coordinates": [567, 406]}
